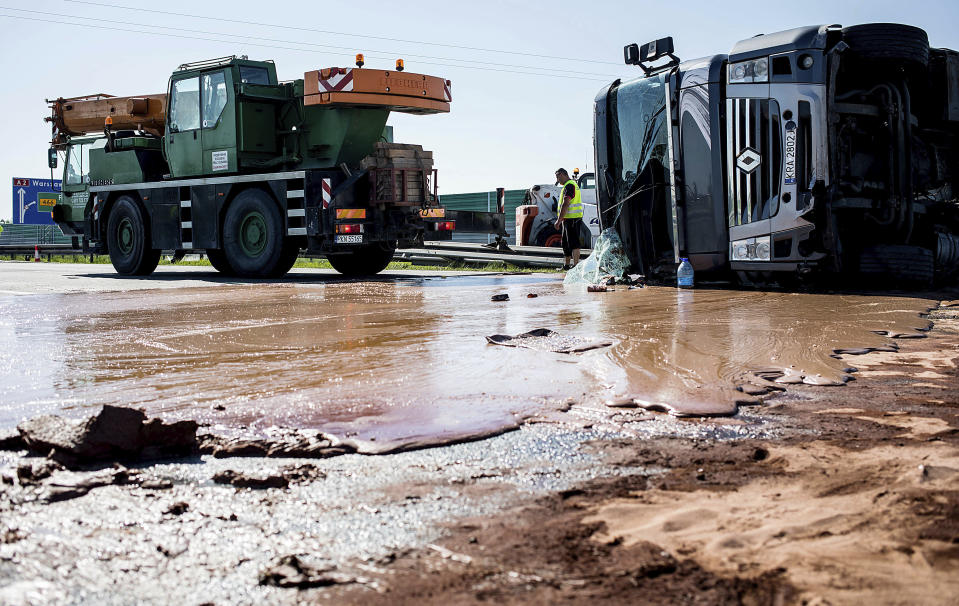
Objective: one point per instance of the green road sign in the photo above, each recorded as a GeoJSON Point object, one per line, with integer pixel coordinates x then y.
{"type": "Point", "coordinates": [47, 200]}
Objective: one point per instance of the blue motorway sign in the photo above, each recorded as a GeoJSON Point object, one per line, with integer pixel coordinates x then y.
{"type": "Point", "coordinates": [26, 207]}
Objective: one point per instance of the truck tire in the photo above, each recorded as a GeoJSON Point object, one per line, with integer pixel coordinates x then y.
{"type": "Point", "coordinates": [253, 237]}
{"type": "Point", "coordinates": [898, 265]}
{"type": "Point", "coordinates": [291, 252]}
{"type": "Point", "coordinates": [549, 236]}
{"type": "Point", "coordinates": [218, 261]}
{"type": "Point", "coordinates": [128, 240]}
{"type": "Point", "coordinates": [885, 42]}
{"type": "Point", "coordinates": [367, 260]}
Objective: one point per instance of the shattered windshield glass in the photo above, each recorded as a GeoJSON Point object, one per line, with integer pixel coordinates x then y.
{"type": "Point", "coordinates": [638, 129]}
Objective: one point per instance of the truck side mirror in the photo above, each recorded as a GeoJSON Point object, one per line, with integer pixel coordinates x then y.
{"type": "Point", "coordinates": [645, 55]}
{"type": "Point", "coordinates": [657, 49]}
{"type": "Point", "coordinates": [52, 157]}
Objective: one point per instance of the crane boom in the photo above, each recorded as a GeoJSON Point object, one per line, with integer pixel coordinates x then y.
{"type": "Point", "coordinates": [87, 115]}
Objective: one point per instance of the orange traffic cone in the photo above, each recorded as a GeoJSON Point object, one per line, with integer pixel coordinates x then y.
{"type": "Point", "coordinates": [36, 253]}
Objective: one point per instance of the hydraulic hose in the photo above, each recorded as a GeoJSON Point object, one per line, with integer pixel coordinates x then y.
{"type": "Point", "coordinates": [910, 217]}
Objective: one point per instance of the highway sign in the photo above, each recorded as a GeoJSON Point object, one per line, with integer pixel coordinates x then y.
{"type": "Point", "coordinates": [27, 206]}
{"type": "Point", "coordinates": [46, 200]}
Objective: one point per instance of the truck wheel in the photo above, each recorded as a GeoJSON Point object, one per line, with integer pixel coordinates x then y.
{"type": "Point", "coordinates": [367, 260]}
{"type": "Point", "coordinates": [898, 265]}
{"type": "Point", "coordinates": [885, 42]}
{"type": "Point", "coordinates": [291, 252]}
{"type": "Point", "coordinates": [253, 234]}
{"type": "Point", "coordinates": [218, 261]}
{"type": "Point", "coordinates": [548, 236]}
{"type": "Point", "coordinates": [128, 240]}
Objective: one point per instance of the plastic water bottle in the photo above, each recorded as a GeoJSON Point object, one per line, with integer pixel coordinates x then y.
{"type": "Point", "coordinates": [684, 274]}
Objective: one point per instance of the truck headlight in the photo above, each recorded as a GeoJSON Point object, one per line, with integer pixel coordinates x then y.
{"type": "Point", "coordinates": [746, 72]}
{"type": "Point", "coordinates": [751, 249]}
{"type": "Point", "coordinates": [762, 248]}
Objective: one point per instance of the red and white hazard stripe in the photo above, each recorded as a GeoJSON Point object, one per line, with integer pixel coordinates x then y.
{"type": "Point", "coordinates": [327, 193]}
{"type": "Point", "coordinates": [447, 93]}
{"type": "Point", "coordinates": [96, 208]}
{"type": "Point", "coordinates": [340, 81]}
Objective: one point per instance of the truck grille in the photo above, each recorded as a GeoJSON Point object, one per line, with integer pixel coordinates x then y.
{"type": "Point", "coordinates": [753, 159]}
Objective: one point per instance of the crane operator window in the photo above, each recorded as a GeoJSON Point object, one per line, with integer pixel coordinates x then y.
{"type": "Point", "coordinates": [254, 75]}
{"type": "Point", "coordinates": [213, 97]}
{"type": "Point", "coordinates": [185, 105]}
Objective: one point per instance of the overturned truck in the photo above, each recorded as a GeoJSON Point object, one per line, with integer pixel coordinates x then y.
{"type": "Point", "coordinates": [818, 151]}
{"type": "Point", "coordinates": [249, 170]}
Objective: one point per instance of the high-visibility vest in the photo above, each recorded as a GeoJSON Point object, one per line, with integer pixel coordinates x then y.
{"type": "Point", "coordinates": [575, 210]}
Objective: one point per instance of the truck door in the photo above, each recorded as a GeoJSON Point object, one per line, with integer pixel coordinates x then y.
{"type": "Point", "coordinates": [76, 177]}
{"type": "Point", "coordinates": [183, 144]}
{"type": "Point", "coordinates": [700, 135]}
{"type": "Point", "coordinates": [217, 122]}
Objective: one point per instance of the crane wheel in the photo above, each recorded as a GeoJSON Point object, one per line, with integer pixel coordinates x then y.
{"type": "Point", "coordinates": [128, 240]}
{"type": "Point", "coordinates": [367, 260]}
{"type": "Point", "coordinates": [218, 261]}
{"type": "Point", "coordinates": [253, 237]}
{"type": "Point", "coordinates": [291, 252]}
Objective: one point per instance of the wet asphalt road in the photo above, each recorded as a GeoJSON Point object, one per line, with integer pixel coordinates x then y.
{"type": "Point", "coordinates": [118, 545]}
{"type": "Point", "coordinates": [403, 357]}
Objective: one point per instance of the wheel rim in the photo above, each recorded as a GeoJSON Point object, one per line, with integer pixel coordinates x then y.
{"type": "Point", "coordinates": [125, 236]}
{"type": "Point", "coordinates": [253, 234]}
{"type": "Point", "coordinates": [554, 240]}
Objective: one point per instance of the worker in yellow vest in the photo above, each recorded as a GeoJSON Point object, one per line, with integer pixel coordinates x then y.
{"type": "Point", "coordinates": [569, 217]}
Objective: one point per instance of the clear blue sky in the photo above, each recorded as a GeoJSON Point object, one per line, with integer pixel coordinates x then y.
{"type": "Point", "coordinates": [505, 130]}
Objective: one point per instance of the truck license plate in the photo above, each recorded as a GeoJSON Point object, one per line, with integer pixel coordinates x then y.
{"type": "Point", "coordinates": [349, 239]}
{"type": "Point", "coordinates": [790, 164]}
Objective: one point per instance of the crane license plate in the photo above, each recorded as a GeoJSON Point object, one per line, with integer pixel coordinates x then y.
{"type": "Point", "coordinates": [349, 239]}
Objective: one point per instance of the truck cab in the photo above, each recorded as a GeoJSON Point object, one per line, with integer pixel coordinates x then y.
{"type": "Point", "coordinates": [221, 116]}
{"type": "Point", "coordinates": [75, 191]}
{"type": "Point", "coordinates": [800, 152]}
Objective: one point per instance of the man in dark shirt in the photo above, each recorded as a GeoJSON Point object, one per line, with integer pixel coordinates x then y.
{"type": "Point", "coordinates": [569, 217]}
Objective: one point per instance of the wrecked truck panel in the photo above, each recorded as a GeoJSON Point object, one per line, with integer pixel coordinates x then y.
{"type": "Point", "coordinates": [829, 162]}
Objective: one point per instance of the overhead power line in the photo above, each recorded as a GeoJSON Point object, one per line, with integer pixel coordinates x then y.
{"type": "Point", "coordinates": [311, 44]}
{"type": "Point", "coordinates": [220, 18]}
{"type": "Point", "coordinates": [302, 50]}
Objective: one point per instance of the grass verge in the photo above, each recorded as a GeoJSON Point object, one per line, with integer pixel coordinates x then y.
{"type": "Point", "coordinates": [307, 263]}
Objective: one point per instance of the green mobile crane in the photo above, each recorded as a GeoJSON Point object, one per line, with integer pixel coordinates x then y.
{"type": "Point", "coordinates": [232, 163]}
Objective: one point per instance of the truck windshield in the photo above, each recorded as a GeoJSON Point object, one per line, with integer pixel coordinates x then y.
{"type": "Point", "coordinates": [638, 150]}
{"type": "Point", "coordinates": [78, 161]}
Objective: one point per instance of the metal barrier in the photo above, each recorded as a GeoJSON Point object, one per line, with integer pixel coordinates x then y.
{"type": "Point", "coordinates": [32, 235]}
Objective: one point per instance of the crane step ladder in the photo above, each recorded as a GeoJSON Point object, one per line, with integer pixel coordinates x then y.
{"type": "Point", "coordinates": [295, 212]}
{"type": "Point", "coordinates": [186, 219]}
